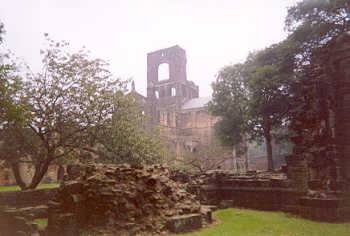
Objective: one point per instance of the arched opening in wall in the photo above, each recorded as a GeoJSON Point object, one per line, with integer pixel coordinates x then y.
{"type": "Point", "coordinates": [156, 93]}
{"type": "Point", "coordinates": [163, 71]}
{"type": "Point", "coordinates": [173, 92]}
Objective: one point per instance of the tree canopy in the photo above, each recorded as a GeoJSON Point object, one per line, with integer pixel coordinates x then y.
{"type": "Point", "coordinates": [230, 103]}
{"type": "Point", "coordinates": [270, 76]}
{"type": "Point", "coordinates": [75, 107]}
{"type": "Point", "coordinates": [10, 110]}
{"type": "Point", "coordinates": [313, 23]}
{"type": "Point", "coordinates": [253, 98]}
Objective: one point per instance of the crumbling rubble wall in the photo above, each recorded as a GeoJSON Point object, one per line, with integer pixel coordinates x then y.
{"type": "Point", "coordinates": [124, 199]}
{"type": "Point", "coordinates": [320, 162]}
{"type": "Point", "coordinates": [321, 124]}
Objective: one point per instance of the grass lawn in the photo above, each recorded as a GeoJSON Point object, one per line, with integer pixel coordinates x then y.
{"type": "Point", "coordinates": [16, 188]}
{"type": "Point", "coordinates": [241, 222]}
{"type": "Point", "coordinates": [41, 221]}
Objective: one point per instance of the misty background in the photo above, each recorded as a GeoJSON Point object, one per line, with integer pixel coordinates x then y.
{"type": "Point", "coordinates": [214, 33]}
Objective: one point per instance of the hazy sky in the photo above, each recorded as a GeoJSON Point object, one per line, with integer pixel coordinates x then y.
{"type": "Point", "coordinates": [214, 33]}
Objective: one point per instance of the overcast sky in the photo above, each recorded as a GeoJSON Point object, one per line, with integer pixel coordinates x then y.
{"type": "Point", "coordinates": [214, 33]}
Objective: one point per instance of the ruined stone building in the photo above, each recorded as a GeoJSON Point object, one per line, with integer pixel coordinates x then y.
{"type": "Point", "coordinates": [173, 103]}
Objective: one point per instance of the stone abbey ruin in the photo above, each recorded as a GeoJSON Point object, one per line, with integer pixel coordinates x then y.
{"type": "Point", "coordinates": [173, 103]}
{"type": "Point", "coordinates": [130, 200]}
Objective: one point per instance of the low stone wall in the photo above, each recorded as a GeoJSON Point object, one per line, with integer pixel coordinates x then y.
{"type": "Point", "coordinates": [27, 198]}
{"type": "Point", "coordinates": [272, 195]}
{"type": "Point", "coordinates": [331, 209]}
{"type": "Point", "coordinates": [261, 198]}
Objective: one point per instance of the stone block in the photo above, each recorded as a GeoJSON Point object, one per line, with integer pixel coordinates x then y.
{"type": "Point", "coordinates": [329, 210]}
{"type": "Point", "coordinates": [62, 224]}
{"type": "Point", "coordinates": [226, 204]}
{"type": "Point", "coordinates": [206, 213]}
{"type": "Point", "coordinates": [184, 223]}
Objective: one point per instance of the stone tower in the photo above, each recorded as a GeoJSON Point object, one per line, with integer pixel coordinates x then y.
{"type": "Point", "coordinates": [165, 97]}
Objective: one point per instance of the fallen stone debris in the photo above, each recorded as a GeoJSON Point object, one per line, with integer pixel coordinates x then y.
{"type": "Point", "coordinates": [20, 221]}
{"type": "Point", "coordinates": [125, 200]}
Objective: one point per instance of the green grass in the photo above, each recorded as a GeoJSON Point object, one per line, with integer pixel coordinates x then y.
{"type": "Point", "coordinates": [41, 221]}
{"type": "Point", "coordinates": [240, 222]}
{"type": "Point", "coordinates": [17, 188]}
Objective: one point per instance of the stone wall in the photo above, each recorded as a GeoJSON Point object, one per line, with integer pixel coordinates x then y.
{"type": "Point", "coordinates": [27, 198]}
{"type": "Point", "coordinates": [340, 61]}
{"type": "Point", "coordinates": [321, 124]}
{"type": "Point", "coordinates": [251, 192]}
{"type": "Point", "coordinates": [164, 96]}
{"type": "Point", "coordinates": [197, 125]}
{"type": "Point", "coordinates": [269, 193]}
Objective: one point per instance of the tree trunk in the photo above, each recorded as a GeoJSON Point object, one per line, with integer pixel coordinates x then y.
{"type": "Point", "coordinates": [40, 171]}
{"type": "Point", "coordinates": [267, 136]}
{"type": "Point", "coordinates": [60, 173]}
{"type": "Point", "coordinates": [18, 177]}
{"type": "Point", "coordinates": [234, 159]}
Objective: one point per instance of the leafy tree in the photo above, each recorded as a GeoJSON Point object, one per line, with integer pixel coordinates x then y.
{"type": "Point", "coordinates": [313, 23]}
{"type": "Point", "coordinates": [269, 78]}
{"type": "Point", "coordinates": [9, 86]}
{"type": "Point", "coordinates": [230, 103]}
{"type": "Point", "coordinates": [125, 139]}
{"type": "Point", "coordinates": [2, 31]}
{"type": "Point", "coordinates": [253, 98]}
{"type": "Point", "coordinates": [71, 97]}
{"type": "Point", "coordinates": [77, 109]}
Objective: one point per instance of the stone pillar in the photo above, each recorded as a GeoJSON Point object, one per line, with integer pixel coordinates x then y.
{"type": "Point", "coordinates": [340, 62]}
{"type": "Point", "coordinates": [297, 171]}
{"type": "Point", "coordinates": [240, 157]}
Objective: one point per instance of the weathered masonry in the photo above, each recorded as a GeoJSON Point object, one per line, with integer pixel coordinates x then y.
{"type": "Point", "coordinates": [317, 180]}
{"type": "Point", "coordinates": [173, 103]}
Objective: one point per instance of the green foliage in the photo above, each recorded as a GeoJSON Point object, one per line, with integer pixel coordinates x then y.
{"type": "Point", "coordinates": [71, 95]}
{"type": "Point", "coordinates": [254, 98]}
{"type": "Point", "coordinates": [269, 75]}
{"type": "Point", "coordinates": [10, 110]}
{"type": "Point", "coordinates": [230, 103]}
{"type": "Point", "coordinates": [76, 107]}
{"type": "Point", "coordinates": [2, 31]}
{"type": "Point", "coordinates": [125, 139]}
{"type": "Point", "coordinates": [313, 23]}
{"type": "Point", "coordinates": [266, 83]}
{"type": "Point", "coordinates": [243, 222]}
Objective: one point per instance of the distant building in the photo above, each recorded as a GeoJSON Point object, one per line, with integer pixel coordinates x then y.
{"type": "Point", "coordinates": [173, 103]}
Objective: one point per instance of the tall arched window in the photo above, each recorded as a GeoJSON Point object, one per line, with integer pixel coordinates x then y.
{"type": "Point", "coordinates": [163, 71]}
{"type": "Point", "coordinates": [173, 92]}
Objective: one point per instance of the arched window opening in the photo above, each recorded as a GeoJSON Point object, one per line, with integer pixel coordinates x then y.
{"type": "Point", "coordinates": [173, 92]}
{"type": "Point", "coordinates": [156, 93]}
{"type": "Point", "coordinates": [163, 71]}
